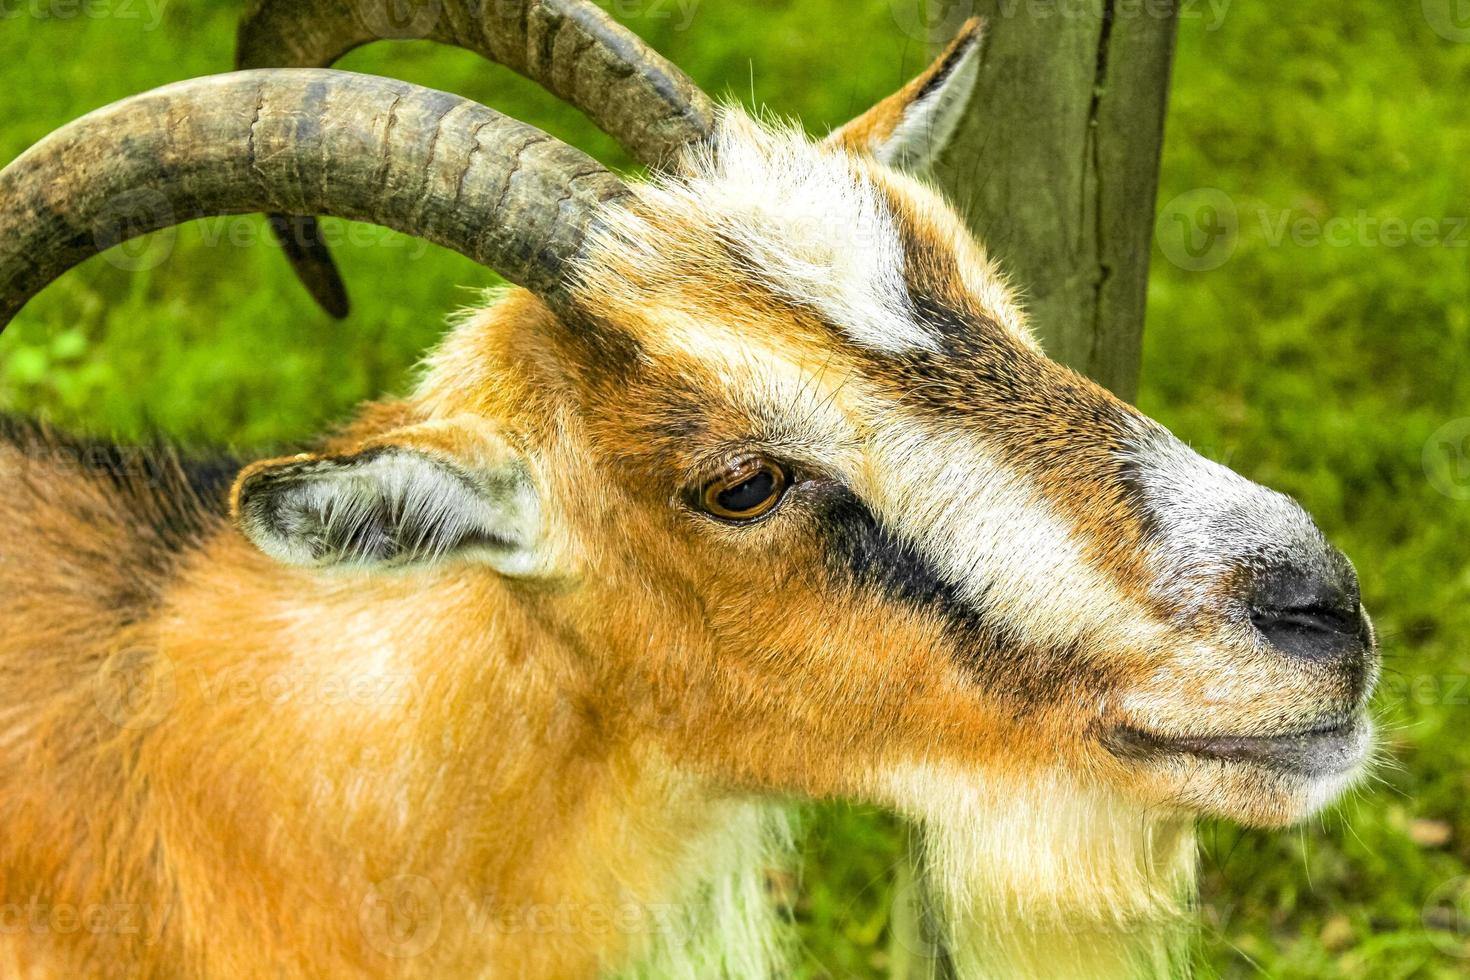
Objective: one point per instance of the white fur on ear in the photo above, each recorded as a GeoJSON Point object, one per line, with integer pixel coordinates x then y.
{"type": "Point", "coordinates": [391, 507]}
{"type": "Point", "coordinates": [928, 122]}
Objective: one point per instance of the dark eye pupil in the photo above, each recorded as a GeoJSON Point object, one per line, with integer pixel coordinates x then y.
{"type": "Point", "coordinates": [748, 495]}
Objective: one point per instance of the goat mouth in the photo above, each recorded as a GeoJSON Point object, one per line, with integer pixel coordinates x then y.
{"type": "Point", "coordinates": [1326, 749]}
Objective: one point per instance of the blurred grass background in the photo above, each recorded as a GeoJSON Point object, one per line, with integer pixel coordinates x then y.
{"type": "Point", "coordinates": [1332, 365]}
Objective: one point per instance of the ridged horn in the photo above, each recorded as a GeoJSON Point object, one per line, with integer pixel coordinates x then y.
{"type": "Point", "coordinates": [422, 162]}
{"type": "Point", "coordinates": [570, 47]}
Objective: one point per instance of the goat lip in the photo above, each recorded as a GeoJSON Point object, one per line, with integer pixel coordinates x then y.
{"type": "Point", "coordinates": [1322, 750]}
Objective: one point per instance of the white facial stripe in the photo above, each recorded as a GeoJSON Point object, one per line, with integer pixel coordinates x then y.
{"type": "Point", "coordinates": [810, 220]}
{"type": "Point", "coordinates": [992, 534]}
{"type": "Point", "coordinates": [978, 523]}
{"type": "Point", "coordinates": [822, 403]}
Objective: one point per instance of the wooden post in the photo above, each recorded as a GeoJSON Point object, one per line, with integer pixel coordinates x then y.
{"type": "Point", "coordinates": [1056, 165]}
{"type": "Point", "coordinates": [916, 949]}
{"type": "Point", "coordinates": [1056, 168]}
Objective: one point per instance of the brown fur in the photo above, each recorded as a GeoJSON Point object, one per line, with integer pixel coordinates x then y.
{"type": "Point", "coordinates": [441, 770]}
{"type": "Point", "coordinates": [250, 802]}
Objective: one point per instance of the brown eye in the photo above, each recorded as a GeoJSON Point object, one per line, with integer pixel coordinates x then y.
{"type": "Point", "coordinates": [747, 490]}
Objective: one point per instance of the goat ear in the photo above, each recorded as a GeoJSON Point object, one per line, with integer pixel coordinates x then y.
{"type": "Point", "coordinates": [411, 498]}
{"type": "Point", "coordinates": [909, 129]}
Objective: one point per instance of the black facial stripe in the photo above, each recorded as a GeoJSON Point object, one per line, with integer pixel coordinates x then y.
{"type": "Point", "coordinates": [934, 283]}
{"type": "Point", "coordinates": [169, 502]}
{"type": "Point", "coordinates": [124, 466]}
{"type": "Point", "coordinates": [943, 318]}
{"type": "Point", "coordinates": [682, 412]}
{"type": "Point", "coordinates": [996, 655]}
{"type": "Point", "coordinates": [862, 549]}
{"type": "Point", "coordinates": [609, 355]}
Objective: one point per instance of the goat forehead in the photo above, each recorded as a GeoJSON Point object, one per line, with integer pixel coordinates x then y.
{"type": "Point", "coordinates": [1026, 409]}
{"type": "Point", "coordinates": [826, 294]}
{"type": "Point", "coordinates": [767, 216]}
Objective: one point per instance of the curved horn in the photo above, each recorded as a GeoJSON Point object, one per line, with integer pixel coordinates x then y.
{"type": "Point", "coordinates": [570, 47]}
{"type": "Point", "coordinates": [372, 149]}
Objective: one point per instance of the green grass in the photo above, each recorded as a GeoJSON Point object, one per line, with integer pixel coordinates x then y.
{"type": "Point", "coordinates": [1322, 368]}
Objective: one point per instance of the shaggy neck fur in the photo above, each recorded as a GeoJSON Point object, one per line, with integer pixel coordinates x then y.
{"type": "Point", "coordinates": [1050, 879]}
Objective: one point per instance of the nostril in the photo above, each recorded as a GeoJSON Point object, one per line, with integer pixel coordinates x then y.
{"type": "Point", "coordinates": [1310, 634]}
{"type": "Point", "coordinates": [1306, 620]}
{"type": "Point", "coordinates": [1307, 615]}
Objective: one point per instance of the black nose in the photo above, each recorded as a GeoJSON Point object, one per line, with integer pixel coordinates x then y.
{"type": "Point", "coordinates": [1314, 615]}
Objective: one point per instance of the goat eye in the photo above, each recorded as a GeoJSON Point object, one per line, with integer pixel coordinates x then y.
{"type": "Point", "coordinates": [747, 490]}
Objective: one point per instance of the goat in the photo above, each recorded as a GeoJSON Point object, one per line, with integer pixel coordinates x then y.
{"type": "Point", "coordinates": [754, 487]}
